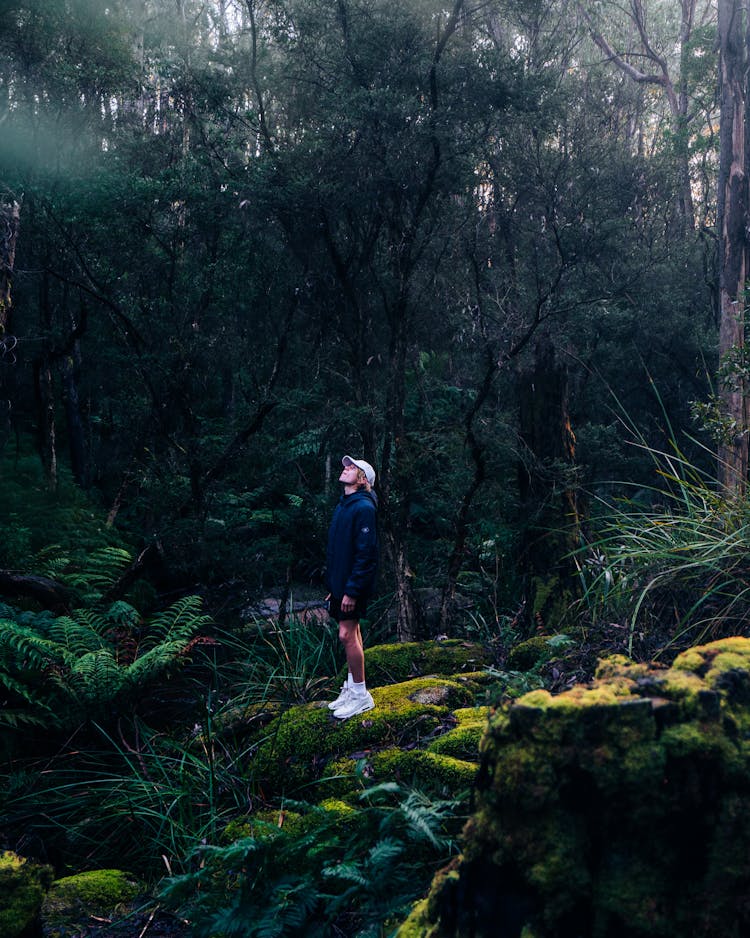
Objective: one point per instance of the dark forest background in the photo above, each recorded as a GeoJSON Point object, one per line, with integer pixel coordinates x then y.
{"type": "Point", "coordinates": [481, 245]}
{"type": "Point", "coordinates": [460, 242]}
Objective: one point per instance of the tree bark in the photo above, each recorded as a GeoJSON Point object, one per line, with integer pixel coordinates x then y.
{"type": "Point", "coordinates": [10, 215]}
{"type": "Point", "coordinates": [733, 242]}
{"type": "Point", "coordinates": [549, 498]}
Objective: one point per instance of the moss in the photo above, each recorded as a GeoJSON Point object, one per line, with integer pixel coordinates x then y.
{"type": "Point", "coordinates": [243, 722]}
{"type": "Point", "coordinates": [683, 687]}
{"type": "Point", "coordinates": [429, 770]}
{"type": "Point", "coordinates": [73, 899]}
{"type": "Point", "coordinates": [394, 663]}
{"type": "Point", "coordinates": [623, 804]}
{"type": "Point", "coordinates": [461, 743]}
{"type": "Point", "coordinates": [703, 741]}
{"type": "Point", "coordinates": [300, 742]}
{"type": "Point", "coordinates": [417, 924]}
{"type": "Point", "coordinates": [262, 825]}
{"type": "Point", "coordinates": [337, 807]}
{"type": "Point", "coordinates": [528, 654]}
{"type": "Point", "coordinates": [619, 666]}
{"type": "Point", "coordinates": [22, 888]}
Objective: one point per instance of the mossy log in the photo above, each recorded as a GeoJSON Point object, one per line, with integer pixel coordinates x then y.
{"type": "Point", "coordinates": [618, 809]}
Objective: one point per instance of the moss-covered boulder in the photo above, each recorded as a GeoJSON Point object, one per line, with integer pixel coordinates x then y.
{"type": "Point", "coordinates": [74, 902]}
{"type": "Point", "coordinates": [22, 888]}
{"type": "Point", "coordinates": [618, 809]}
{"type": "Point", "coordinates": [401, 661]}
{"type": "Point", "coordinates": [299, 744]}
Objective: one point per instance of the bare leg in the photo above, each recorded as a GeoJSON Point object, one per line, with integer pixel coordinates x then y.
{"type": "Point", "coordinates": [350, 637]}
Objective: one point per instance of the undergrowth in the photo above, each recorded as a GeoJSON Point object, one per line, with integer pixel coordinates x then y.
{"type": "Point", "coordinates": [669, 566]}
{"type": "Point", "coordinates": [334, 873]}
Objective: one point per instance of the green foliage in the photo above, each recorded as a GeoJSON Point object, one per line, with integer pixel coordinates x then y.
{"type": "Point", "coordinates": [91, 664]}
{"type": "Point", "coordinates": [670, 566]}
{"type": "Point", "coordinates": [329, 876]}
{"type": "Point", "coordinates": [46, 528]}
{"type": "Point", "coordinates": [133, 797]}
{"type": "Point", "coordinates": [274, 663]}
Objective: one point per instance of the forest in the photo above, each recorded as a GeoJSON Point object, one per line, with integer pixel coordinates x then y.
{"type": "Point", "coordinates": [497, 249]}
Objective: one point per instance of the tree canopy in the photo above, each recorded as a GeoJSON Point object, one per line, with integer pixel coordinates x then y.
{"type": "Point", "coordinates": [460, 240]}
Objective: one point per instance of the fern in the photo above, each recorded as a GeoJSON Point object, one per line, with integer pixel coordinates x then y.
{"type": "Point", "coordinates": [102, 570]}
{"type": "Point", "coordinates": [94, 660]}
{"type": "Point", "coordinates": [326, 878]}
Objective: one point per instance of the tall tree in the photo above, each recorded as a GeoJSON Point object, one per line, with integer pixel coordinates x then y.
{"type": "Point", "coordinates": [734, 203]}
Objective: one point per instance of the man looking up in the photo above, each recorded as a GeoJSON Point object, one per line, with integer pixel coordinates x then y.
{"type": "Point", "coordinates": [351, 563]}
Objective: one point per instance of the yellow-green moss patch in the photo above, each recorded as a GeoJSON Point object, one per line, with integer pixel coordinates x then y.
{"type": "Point", "coordinates": [73, 899]}
{"type": "Point", "coordinates": [301, 741]}
{"type": "Point", "coordinates": [22, 888]}
{"type": "Point", "coordinates": [428, 770]}
{"type": "Point", "coordinates": [462, 742]}
{"type": "Point", "coordinates": [394, 663]}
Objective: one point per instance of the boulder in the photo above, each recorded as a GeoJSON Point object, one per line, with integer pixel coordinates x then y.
{"type": "Point", "coordinates": [22, 888]}
{"type": "Point", "coordinates": [74, 902]}
{"type": "Point", "coordinates": [617, 809]}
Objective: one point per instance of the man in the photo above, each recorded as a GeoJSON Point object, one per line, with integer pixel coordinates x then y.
{"type": "Point", "coordinates": [351, 563]}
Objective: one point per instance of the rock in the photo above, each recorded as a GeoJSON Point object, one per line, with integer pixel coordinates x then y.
{"type": "Point", "coordinates": [298, 744]}
{"type": "Point", "coordinates": [73, 902]}
{"type": "Point", "coordinates": [617, 809]}
{"type": "Point", "coordinates": [400, 661]}
{"type": "Point", "coordinates": [22, 888]}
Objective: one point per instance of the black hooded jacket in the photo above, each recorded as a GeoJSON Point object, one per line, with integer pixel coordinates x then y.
{"type": "Point", "coordinates": [352, 555]}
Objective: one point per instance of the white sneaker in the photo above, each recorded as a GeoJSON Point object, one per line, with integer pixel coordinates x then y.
{"type": "Point", "coordinates": [342, 697]}
{"type": "Point", "coordinates": [354, 704]}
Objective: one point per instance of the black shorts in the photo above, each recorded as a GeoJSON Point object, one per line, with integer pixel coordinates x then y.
{"type": "Point", "coordinates": [359, 611]}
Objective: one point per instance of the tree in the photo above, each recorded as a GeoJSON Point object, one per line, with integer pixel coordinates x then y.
{"type": "Point", "coordinates": [646, 51]}
{"type": "Point", "coordinates": [733, 203]}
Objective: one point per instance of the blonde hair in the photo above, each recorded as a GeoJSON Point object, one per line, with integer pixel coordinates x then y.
{"type": "Point", "coordinates": [362, 484]}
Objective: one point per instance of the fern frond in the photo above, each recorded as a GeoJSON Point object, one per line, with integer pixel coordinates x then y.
{"type": "Point", "coordinates": [349, 872]}
{"type": "Point", "coordinates": [182, 618]}
{"type": "Point", "coordinates": [153, 662]}
{"type": "Point", "coordinates": [381, 857]}
{"type": "Point", "coordinates": [102, 569]}
{"type": "Point", "coordinates": [23, 645]}
{"type": "Point", "coordinates": [95, 678]}
{"type": "Point", "coordinates": [76, 637]}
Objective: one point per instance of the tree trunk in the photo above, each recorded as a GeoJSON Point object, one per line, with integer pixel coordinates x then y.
{"type": "Point", "coordinates": [47, 431]}
{"type": "Point", "coordinates": [733, 243]}
{"type": "Point", "coordinates": [548, 491]}
{"type": "Point", "coordinates": [10, 214]}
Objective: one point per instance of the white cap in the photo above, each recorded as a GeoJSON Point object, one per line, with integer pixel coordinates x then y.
{"type": "Point", "coordinates": [360, 464]}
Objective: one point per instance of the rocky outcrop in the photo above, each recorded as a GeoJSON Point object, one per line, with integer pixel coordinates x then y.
{"type": "Point", "coordinates": [426, 725]}
{"type": "Point", "coordinates": [618, 809]}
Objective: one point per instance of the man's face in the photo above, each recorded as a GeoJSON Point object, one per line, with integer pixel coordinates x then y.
{"type": "Point", "coordinates": [349, 474]}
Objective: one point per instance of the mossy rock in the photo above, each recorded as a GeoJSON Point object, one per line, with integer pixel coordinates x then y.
{"type": "Point", "coordinates": [430, 771]}
{"type": "Point", "coordinates": [73, 900]}
{"type": "Point", "coordinates": [620, 807]}
{"type": "Point", "coordinates": [22, 888]}
{"type": "Point", "coordinates": [268, 824]}
{"type": "Point", "coordinates": [535, 651]}
{"type": "Point", "coordinates": [462, 742]}
{"type": "Point", "coordinates": [301, 742]}
{"type": "Point", "coordinates": [402, 661]}
{"type": "Point", "coordinates": [243, 723]}
{"type": "Point", "coordinates": [262, 825]}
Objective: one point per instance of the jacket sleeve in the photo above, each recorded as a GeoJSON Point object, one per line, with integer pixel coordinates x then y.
{"type": "Point", "coordinates": [364, 554]}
